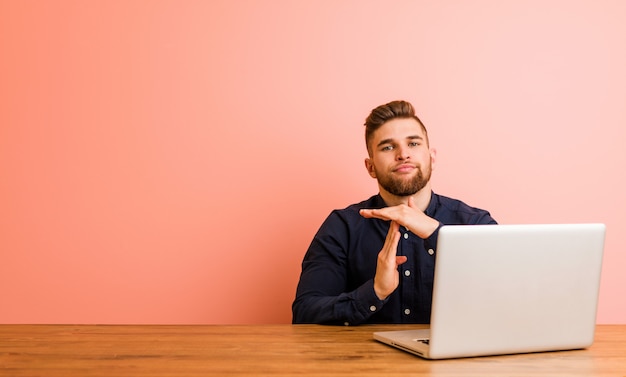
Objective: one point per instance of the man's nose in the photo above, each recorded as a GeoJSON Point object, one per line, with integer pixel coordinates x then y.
{"type": "Point", "coordinates": [402, 153]}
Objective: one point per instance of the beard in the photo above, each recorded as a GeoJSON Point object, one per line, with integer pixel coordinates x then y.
{"type": "Point", "coordinates": [405, 187]}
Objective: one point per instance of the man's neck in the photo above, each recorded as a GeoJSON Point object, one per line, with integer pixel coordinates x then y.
{"type": "Point", "coordinates": [420, 198]}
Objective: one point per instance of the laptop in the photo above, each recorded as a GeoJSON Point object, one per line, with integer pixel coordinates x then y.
{"type": "Point", "coordinates": [505, 289]}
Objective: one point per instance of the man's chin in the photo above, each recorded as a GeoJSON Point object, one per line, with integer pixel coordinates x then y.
{"type": "Point", "coordinates": [404, 185]}
{"type": "Point", "coordinates": [406, 190]}
{"type": "Point", "coordinates": [402, 191]}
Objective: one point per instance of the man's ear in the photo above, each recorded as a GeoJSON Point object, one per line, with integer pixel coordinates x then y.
{"type": "Point", "coordinates": [370, 168]}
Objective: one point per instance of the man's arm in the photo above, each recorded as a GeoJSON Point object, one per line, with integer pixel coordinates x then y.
{"type": "Point", "coordinates": [321, 295]}
{"type": "Point", "coordinates": [350, 308]}
{"type": "Point", "coordinates": [424, 226]}
{"type": "Point", "coordinates": [408, 216]}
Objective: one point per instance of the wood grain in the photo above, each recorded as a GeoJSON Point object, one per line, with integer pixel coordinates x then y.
{"type": "Point", "coordinates": [269, 350]}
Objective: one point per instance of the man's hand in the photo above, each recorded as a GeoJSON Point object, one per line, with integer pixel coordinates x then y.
{"type": "Point", "coordinates": [387, 277]}
{"type": "Point", "coordinates": [408, 216]}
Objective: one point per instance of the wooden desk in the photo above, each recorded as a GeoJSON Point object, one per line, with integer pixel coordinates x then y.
{"type": "Point", "coordinates": [272, 350]}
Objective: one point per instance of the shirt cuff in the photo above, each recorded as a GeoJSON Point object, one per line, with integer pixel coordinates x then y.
{"type": "Point", "coordinates": [367, 300]}
{"type": "Point", "coordinates": [431, 242]}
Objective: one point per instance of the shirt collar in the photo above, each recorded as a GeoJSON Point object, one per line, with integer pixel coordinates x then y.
{"type": "Point", "coordinates": [432, 206]}
{"type": "Point", "coordinates": [430, 210]}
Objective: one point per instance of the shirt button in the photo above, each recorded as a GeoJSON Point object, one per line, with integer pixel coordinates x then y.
{"type": "Point", "coordinates": [407, 311]}
{"type": "Point", "coordinates": [407, 273]}
{"type": "Point", "coordinates": [431, 251]}
{"type": "Point", "coordinates": [372, 308]}
{"type": "Point", "coordinates": [406, 236]}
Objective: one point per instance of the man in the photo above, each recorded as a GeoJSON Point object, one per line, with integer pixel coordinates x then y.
{"type": "Point", "coordinates": [373, 262]}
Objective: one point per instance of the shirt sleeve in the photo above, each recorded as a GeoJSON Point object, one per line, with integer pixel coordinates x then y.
{"type": "Point", "coordinates": [467, 217]}
{"type": "Point", "coordinates": [323, 294]}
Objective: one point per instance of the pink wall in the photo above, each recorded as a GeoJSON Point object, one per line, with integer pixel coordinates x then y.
{"type": "Point", "coordinates": [169, 161]}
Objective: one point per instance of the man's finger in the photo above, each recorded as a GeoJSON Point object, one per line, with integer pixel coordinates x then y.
{"type": "Point", "coordinates": [400, 259]}
{"type": "Point", "coordinates": [391, 242]}
{"type": "Point", "coordinates": [373, 214]}
{"type": "Point", "coordinates": [411, 202]}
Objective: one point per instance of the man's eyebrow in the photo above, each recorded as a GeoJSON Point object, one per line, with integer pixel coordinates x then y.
{"type": "Point", "coordinates": [414, 137]}
{"type": "Point", "coordinates": [391, 141]}
{"type": "Point", "coordinates": [385, 141]}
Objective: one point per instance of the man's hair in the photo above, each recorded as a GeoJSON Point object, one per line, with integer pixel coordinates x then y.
{"type": "Point", "coordinates": [387, 112]}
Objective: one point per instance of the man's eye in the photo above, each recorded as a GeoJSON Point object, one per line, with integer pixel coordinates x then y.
{"type": "Point", "coordinates": [413, 144]}
{"type": "Point", "coordinates": [386, 148]}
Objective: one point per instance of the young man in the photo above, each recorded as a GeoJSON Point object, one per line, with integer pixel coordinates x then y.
{"type": "Point", "coordinates": [373, 262]}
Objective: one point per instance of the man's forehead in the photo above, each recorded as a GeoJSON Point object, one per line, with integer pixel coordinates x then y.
{"type": "Point", "coordinates": [399, 129]}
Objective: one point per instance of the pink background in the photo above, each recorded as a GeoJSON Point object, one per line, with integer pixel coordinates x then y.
{"type": "Point", "coordinates": [170, 161]}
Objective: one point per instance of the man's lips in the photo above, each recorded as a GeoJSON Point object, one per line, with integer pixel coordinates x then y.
{"type": "Point", "coordinates": [404, 168]}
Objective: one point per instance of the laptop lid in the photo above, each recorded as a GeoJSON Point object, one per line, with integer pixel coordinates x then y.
{"type": "Point", "coordinates": [502, 289]}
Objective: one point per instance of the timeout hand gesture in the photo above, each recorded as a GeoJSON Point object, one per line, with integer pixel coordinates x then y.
{"type": "Point", "coordinates": [407, 215]}
{"type": "Point", "coordinates": [387, 277]}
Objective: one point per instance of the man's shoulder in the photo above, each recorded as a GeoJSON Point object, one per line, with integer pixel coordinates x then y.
{"type": "Point", "coordinates": [374, 201]}
{"type": "Point", "coordinates": [454, 204]}
{"type": "Point", "coordinates": [451, 208]}
{"type": "Point", "coordinates": [348, 220]}
{"type": "Point", "coordinates": [352, 210]}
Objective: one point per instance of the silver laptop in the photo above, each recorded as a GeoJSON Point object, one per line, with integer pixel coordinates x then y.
{"type": "Point", "coordinates": [503, 289]}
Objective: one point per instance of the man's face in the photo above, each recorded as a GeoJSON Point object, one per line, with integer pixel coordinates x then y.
{"type": "Point", "coordinates": [400, 158]}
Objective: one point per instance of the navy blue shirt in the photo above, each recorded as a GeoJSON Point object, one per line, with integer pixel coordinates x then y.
{"type": "Point", "coordinates": [337, 281]}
